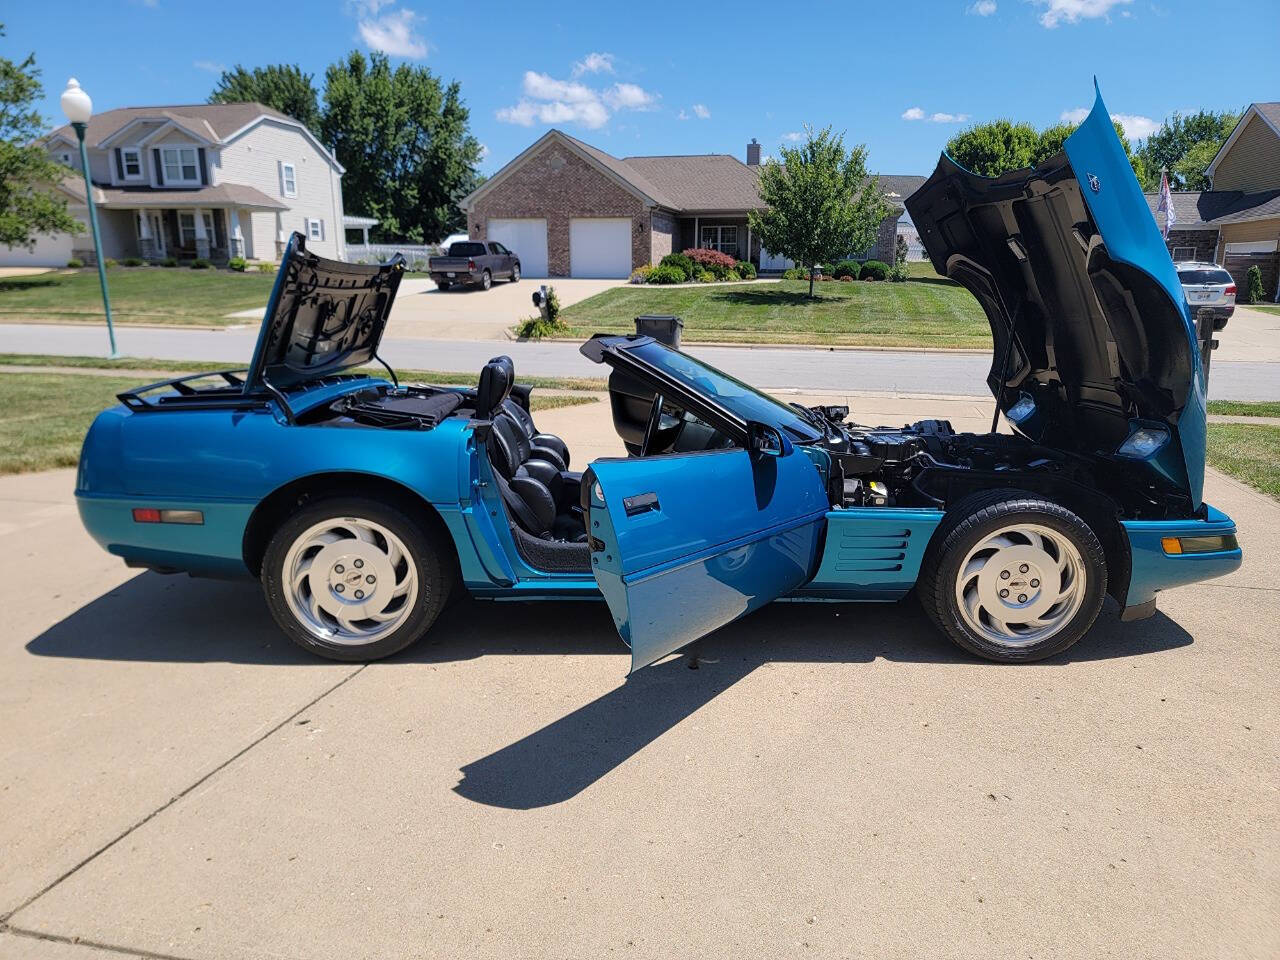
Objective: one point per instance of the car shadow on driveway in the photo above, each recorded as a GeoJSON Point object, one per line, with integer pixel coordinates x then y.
{"type": "Point", "coordinates": [176, 619]}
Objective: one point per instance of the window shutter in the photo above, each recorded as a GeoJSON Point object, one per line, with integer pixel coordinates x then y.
{"type": "Point", "coordinates": [321, 229]}
{"type": "Point", "coordinates": [159, 168]}
{"type": "Point", "coordinates": [280, 175]}
{"type": "Point", "coordinates": [119, 164]}
{"type": "Point", "coordinates": [204, 168]}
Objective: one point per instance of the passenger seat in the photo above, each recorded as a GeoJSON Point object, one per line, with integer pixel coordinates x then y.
{"type": "Point", "coordinates": [517, 408]}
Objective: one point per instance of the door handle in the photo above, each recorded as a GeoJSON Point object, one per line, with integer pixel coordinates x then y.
{"type": "Point", "coordinates": [640, 503]}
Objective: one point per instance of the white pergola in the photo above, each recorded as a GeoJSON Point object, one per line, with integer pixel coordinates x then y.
{"type": "Point", "coordinates": [360, 223]}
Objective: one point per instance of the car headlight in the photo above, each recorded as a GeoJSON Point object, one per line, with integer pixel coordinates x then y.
{"type": "Point", "coordinates": [1143, 442]}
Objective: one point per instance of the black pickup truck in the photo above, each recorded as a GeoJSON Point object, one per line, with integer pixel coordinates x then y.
{"type": "Point", "coordinates": [474, 263]}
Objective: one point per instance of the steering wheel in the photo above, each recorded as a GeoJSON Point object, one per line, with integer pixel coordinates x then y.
{"type": "Point", "coordinates": [651, 428]}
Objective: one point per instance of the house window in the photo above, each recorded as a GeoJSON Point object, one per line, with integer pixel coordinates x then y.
{"type": "Point", "coordinates": [180, 165]}
{"type": "Point", "coordinates": [724, 239]}
{"type": "Point", "coordinates": [288, 180]}
{"type": "Point", "coordinates": [1183, 253]}
{"type": "Point", "coordinates": [131, 160]}
{"type": "Point", "coordinates": [315, 229]}
{"type": "Point", "coordinates": [64, 158]}
{"type": "Point", "coordinates": [187, 229]}
{"type": "Point", "coordinates": [208, 225]}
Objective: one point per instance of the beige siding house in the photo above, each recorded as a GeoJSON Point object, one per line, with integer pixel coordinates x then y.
{"type": "Point", "coordinates": [204, 180]}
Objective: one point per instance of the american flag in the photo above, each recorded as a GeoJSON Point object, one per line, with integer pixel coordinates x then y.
{"type": "Point", "coordinates": [1166, 204]}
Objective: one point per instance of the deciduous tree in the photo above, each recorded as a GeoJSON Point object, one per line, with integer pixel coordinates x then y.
{"type": "Point", "coordinates": [282, 86]}
{"type": "Point", "coordinates": [1185, 145]}
{"type": "Point", "coordinates": [820, 203]}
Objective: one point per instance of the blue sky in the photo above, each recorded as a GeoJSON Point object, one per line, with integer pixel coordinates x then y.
{"type": "Point", "coordinates": [901, 76]}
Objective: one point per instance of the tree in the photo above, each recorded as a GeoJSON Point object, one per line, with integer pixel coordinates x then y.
{"type": "Point", "coordinates": [820, 203]}
{"type": "Point", "coordinates": [1185, 145]}
{"type": "Point", "coordinates": [990, 149]}
{"type": "Point", "coordinates": [28, 176]}
{"type": "Point", "coordinates": [405, 142]}
{"type": "Point", "coordinates": [283, 87]}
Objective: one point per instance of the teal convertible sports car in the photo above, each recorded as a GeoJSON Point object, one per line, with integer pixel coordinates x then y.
{"type": "Point", "coordinates": [362, 504]}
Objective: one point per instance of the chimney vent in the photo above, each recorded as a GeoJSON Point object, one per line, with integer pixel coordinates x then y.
{"type": "Point", "coordinates": [753, 153]}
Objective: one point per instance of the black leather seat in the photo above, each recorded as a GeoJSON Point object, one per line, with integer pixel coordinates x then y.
{"type": "Point", "coordinates": [546, 446]}
{"type": "Point", "coordinates": [540, 497]}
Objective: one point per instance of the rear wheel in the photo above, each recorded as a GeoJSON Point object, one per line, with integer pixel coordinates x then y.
{"type": "Point", "coordinates": [353, 579]}
{"type": "Point", "coordinates": [486, 280]}
{"type": "Point", "coordinates": [515, 273]}
{"type": "Point", "coordinates": [1013, 577]}
{"type": "Point", "coordinates": [443, 284]}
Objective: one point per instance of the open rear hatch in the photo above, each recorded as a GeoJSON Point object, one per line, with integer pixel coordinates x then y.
{"type": "Point", "coordinates": [1094, 345]}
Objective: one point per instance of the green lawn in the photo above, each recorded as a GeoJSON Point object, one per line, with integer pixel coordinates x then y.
{"type": "Point", "coordinates": [1238, 408]}
{"type": "Point", "coordinates": [1248, 452]}
{"type": "Point", "coordinates": [1264, 307]}
{"type": "Point", "coordinates": [139, 295]}
{"type": "Point", "coordinates": [45, 415]}
{"type": "Point", "coordinates": [926, 310]}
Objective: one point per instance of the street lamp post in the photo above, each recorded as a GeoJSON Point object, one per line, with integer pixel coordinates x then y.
{"type": "Point", "coordinates": [79, 108]}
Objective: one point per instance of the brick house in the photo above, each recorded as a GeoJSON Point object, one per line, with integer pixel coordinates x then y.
{"type": "Point", "coordinates": [1237, 223]}
{"type": "Point", "coordinates": [570, 209]}
{"type": "Point", "coordinates": [200, 180]}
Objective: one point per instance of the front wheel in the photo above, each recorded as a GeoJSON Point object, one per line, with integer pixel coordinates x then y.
{"type": "Point", "coordinates": [1012, 577]}
{"type": "Point", "coordinates": [486, 280]}
{"type": "Point", "coordinates": [515, 273]}
{"type": "Point", "coordinates": [353, 579]}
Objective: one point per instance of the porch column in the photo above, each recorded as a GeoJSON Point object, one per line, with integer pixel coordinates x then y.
{"type": "Point", "coordinates": [364, 235]}
{"type": "Point", "coordinates": [235, 239]}
{"type": "Point", "coordinates": [697, 234]}
{"type": "Point", "coordinates": [146, 240]}
{"type": "Point", "coordinates": [202, 238]}
{"type": "Point", "coordinates": [748, 256]}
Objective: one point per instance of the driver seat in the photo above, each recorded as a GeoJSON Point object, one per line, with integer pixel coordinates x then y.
{"type": "Point", "coordinates": [546, 446]}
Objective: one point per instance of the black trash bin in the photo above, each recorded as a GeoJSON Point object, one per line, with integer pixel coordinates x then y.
{"type": "Point", "coordinates": [663, 328]}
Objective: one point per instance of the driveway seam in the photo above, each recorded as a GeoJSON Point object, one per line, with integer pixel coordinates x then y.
{"type": "Point", "coordinates": [4, 920]}
{"type": "Point", "coordinates": [91, 944]}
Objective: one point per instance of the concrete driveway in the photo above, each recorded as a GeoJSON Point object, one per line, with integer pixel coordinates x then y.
{"type": "Point", "coordinates": [469, 313]}
{"type": "Point", "coordinates": [1250, 335]}
{"type": "Point", "coordinates": [177, 780]}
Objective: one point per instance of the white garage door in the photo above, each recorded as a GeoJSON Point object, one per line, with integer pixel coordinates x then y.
{"type": "Point", "coordinates": [527, 238]}
{"type": "Point", "coordinates": [600, 247]}
{"type": "Point", "coordinates": [50, 251]}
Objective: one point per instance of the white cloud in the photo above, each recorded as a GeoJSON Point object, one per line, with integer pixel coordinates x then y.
{"type": "Point", "coordinates": [1073, 11]}
{"type": "Point", "coordinates": [1136, 126]}
{"type": "Point", "coordinates": [594, 63]}
{"type": "Point", "coordinates": [794, 136]}
{"type": "Point", "coordinates": [549, 100]}
{"type": "Point", "coordinates": [484, 152]}
{"type": "Point", "coordinates": [916, 113]}
{"type": "Point", "coordinates": [701, 112]}
{"type": "Point", "coordinates": [983, 8]}
{"type": "Point", "coordinates": [391, 33]}
{"type": "Point", "coordinates": [212, 66]}
{"type": "Point", "coordinates": [682, 115]}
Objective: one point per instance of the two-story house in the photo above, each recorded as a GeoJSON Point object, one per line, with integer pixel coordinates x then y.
{"type": "Point", "coordinates": [207, 180]}
{"type": "Point", "coordinates": [1237, 222]}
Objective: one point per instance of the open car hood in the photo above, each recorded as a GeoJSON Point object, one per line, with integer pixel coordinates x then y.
{"type": "Point", "coordinates": [1068, 256]}
{"type": "Point", "coordinates": [324, 316]}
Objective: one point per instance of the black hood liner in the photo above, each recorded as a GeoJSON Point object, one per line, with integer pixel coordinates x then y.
{"type": "Point", "coordinates": [324, 317]}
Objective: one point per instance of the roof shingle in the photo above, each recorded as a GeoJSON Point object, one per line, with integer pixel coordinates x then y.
{"type": "Point", "coordinates": [1210, 209]}
{"type": "Point", "coordinates": [219, 119]}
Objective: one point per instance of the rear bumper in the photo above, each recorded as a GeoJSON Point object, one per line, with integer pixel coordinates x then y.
{"type": "Point", "coordinates": [458, 276]}
{"type": "Point", "coordinates": [1153, 568]}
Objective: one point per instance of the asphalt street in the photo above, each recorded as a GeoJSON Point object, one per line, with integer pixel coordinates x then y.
{"type": "Point", "coordinates": [812, 368]}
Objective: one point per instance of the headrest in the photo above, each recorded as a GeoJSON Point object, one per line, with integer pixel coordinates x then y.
{"type": "Point", "coordinates": [496, 380]}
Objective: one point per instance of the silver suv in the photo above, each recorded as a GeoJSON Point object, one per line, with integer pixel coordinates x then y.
{"type": "Point", "coordinates": [1210, 287]}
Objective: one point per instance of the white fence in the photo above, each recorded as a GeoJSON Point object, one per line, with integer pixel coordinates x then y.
{"type": "Point", "coordinates": [378, 252]}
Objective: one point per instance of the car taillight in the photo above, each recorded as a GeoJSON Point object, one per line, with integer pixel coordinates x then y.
{"type": "Point", "coordinates": [471, 264]}
{"type": "Point", "coordinates": [1231, 290]}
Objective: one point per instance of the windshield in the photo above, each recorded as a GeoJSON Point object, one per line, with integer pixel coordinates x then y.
{"type": "Point", "coordinates": [740, 398]}
{"type": "Point", "coordinates": [466, 249]}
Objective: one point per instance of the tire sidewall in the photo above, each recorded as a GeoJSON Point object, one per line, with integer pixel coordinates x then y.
{"type": "Point", "coordinates": [431, 572]}
{"type": "Point", "coordinates": [486, 280]}
{"type": "Point", "coordinates": [966, 533]}
{"type": "Point", "coordinates": [515, 274]}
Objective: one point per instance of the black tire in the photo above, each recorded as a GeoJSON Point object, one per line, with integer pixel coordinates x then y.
{"type": "Point", "coordinates": [515, 273]}
{"type": "Point", "coordinates": [434, 567]}
{"type": "Point", "coordinates": [486, 280]}
{"type": "Point", "coordinates": [443, 284]}
{"type": "Point", "coordinates": [964, 528]}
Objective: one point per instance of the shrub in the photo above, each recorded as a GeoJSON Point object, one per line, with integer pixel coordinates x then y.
{"type": "Point", "coordinates": [898, 273]}
{"type": "Point", "coordinates": [851, 269]}
{"type": "Point", "coordinates": [875, 270]}
{"type": "Point", "coordinates": [795, 273]}
{"type": "Point", "coordinates": [713, 261]}
{"type": "Point", "coordinates": [418, 266]}
{"type": "Point", "coordinates": [75, 263]}
{"type": "Point", "coordinates": [1253, 292]}
{"type": "Point", "coordinates": [200, 263]}
{"type": "Point", "coordinates": [641, 274]}
{"type": "Point", "coordinates": [681, 263]}
{"type": "Point", "coordinates": [237, 264]}
{"type": "Point", "coordinates": [667, 273]}
{"type": "Point", "coordinates": [900, 251]}
{"type": "Point", "coordinates": [133, 261]}
{"type": "Point", "coordinates": [733, 275]}
{"type": "Point", "coordinates": [746, 269]}
{"type": "Point", "coordinates": [266, 268]}
{"type": "Point", "coordinates": [169, 262]}
{"type": "Point", "coordinates": [110, 262]}
{"type": "Point", "coordinates": [846, 279]}
{"type": "Point", "coordinates": [706, 276]}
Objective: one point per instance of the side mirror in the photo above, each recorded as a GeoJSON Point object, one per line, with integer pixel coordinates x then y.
{"type": "Point", "coordinates": [764, 440]}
